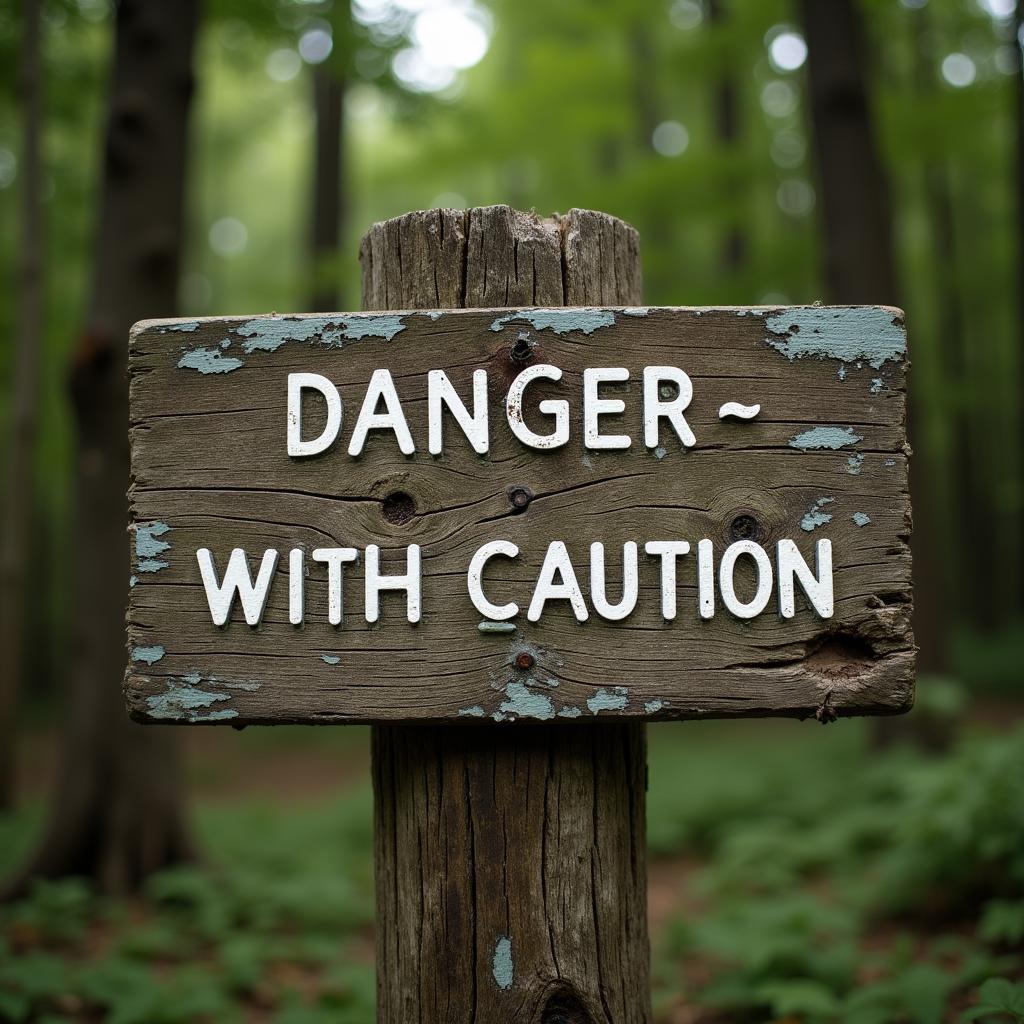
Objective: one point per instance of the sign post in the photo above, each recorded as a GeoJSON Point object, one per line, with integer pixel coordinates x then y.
{"type": "Point", "coordinates": [508, 493]}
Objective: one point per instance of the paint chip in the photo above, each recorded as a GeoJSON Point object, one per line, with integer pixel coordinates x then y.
{"type": "Point", "coordinates": [603, 700]}
{"type": "Point", "coordinates": [825, 437]}
{"type": "Point", "coordinates": [561, 321]}
{"type": "Point", "coordinates": [849, 334]}
{"type": "Point", "coordinates": [209, 360]}
{"type": "Point", "coordinates": [861, 518]}
{"type": "Point", "coordinates": [330, 659]}
{"type": "Point", "coordinates": [150, 655]}
{"type": "Point", "coordinates": [522, 702]}
{"type": "Point", "coordinates": [502, 966]}
{"type": "Point", "coordinates": [815, 517]}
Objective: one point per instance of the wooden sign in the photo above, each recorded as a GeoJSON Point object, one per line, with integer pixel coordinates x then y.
{"type": "Point", "coordinates": [547, 514]}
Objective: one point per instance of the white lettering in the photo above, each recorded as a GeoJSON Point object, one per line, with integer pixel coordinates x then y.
{"type": "Point", "coordinates": [410, 583]}
{"type": "Point", "coordinates": [381, 386]}
{"type": "Point", "coordinates": [221, 596]}
{"type": "Point", "coordinates": [475, 580]}
{"type": "Point", "coordinates": [297, 448]}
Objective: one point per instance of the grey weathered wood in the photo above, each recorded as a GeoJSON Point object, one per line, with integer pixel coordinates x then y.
{"type": "Point", "coordinates": [510, 873]}
{"type": "Point", "coordinates": [526, 834]}
{"type": "Point", "coordinates": [209, 461]}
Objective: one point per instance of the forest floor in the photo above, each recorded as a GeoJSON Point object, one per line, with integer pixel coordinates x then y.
{"type": "Point", "coordinates": [803, 875]}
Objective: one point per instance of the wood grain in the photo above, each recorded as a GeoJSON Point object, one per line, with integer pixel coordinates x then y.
{"type": "Point", "coordinates": [510, 862]}
{"type": "Point", "coordinates": [209, 461]}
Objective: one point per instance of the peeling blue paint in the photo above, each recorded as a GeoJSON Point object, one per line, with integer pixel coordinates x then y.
{"type": "Point", "coordinates": [861, 518]}
{"type": "Point", "coordinates": [433, 314]}
{"type": "Point", "coordinates": [570, 712]}
{"type": "Point", "coordinates": [150, 655]}
{"type": "Point", "coordinates": [653, 705]}
{"type": "Point", "coordinates": [660, 453]}
{"type": "Point", "coordinates": [132, 580]}
{"type": "Point", "coordinates": [847, 334]}
{"type": "Point", "coordinates": [496, 627]}
{"type": "Point", "coordinates": [841, 372]}
{"type": "Point", "coordinates": [185, 327]}
{"type": "Point", "coordinates": [876, 385]}
{"type": "Point", "coordinates": [209, 360]}
{"type": "Point", "coordinates": [330, 659]}
{"type": "Point", "coordinates": [502, 966]}
{"type": "Point", "coordinates": [815, 517]}
{"type": "Point", "coordinates": [524, 702]}
{"type": "Point", "coordinates": [474, 712]}
{"type": "Point", "coordinates": [605, 701]}
{"type": "Point", "coordinates": [182, 700]}
{"type": "Point", "coordinates": [561, 321]}
{"type": "Point", "coordinates": [268, 334]}
{"type": "Point", "coordinates": [825, 437]}
{"type": "Point", "coordinates": [372, 326]}
{"type": "Point", "coordinates": [854, 462]}
{"type": "Point", "coordinates": [148, 546]}
{"type": "Point", "coordinates": [146, 543]}
{"type": "Point", "coordinates": [890, 462]}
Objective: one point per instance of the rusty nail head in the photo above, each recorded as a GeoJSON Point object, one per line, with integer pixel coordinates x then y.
{"type": "Point", "coordinates": [524, 660]}
{"type": "Point", "coordinates": [520, 497]}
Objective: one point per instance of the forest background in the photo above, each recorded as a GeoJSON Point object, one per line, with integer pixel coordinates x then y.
{"type": "Point", "coordinates": [161, 159]}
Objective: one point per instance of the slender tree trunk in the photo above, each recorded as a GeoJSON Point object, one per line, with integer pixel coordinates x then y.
{"type": "Point", "coordinates": [17, 497]}
{"type": "Point", "coordinates": [727, 131]}
{"type": "Point", "coordinates": [860, 265]}
{"type": "Point", "coordinates": [1018, 44]}
{"type": "Point", "coordinates": [327, 206]}
{"type": "Point", "coordinates": [970, 588]}
{"type": "Point", "coordinates": [117, 812]}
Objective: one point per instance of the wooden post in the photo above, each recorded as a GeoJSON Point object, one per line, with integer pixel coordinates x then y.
{"type": "Point", "coordinates": [510, 871]}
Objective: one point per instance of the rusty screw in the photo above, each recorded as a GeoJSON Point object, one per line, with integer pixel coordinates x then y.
{"type": "Point", "coordinates": [520, 497]}
{"type": "Point", "coordinates": [524, 660]}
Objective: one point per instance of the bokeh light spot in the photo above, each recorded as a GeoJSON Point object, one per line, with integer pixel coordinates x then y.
{"type": "Point", "coordinates": [283, 65]}
{"type": "Point", "coordinates": [315, 45]}
{"type": "Point", "coordinates": [787, 51]}
{"type": "Point", "coordinates": [228, 236]}
{"type": "Point", "coordinates": [958, 70]}
{"type": "Point", "coordinates": [670, 138]}
{"type": "Point", "coordinates": [795, 197]}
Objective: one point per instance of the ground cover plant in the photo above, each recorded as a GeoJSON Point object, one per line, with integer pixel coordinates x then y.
{"type": "Point", "coordinates": [799, 874]}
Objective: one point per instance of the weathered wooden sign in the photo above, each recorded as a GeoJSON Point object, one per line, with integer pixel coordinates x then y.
{"type": "Point", "coordinates": [505, 514]}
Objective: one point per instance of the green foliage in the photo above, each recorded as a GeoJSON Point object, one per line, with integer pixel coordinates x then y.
{"type": "Point", "coordinates": [998, 1000]}
{"type": "Point", "coordinates": [814, 858]}
{"type": "Point", "coordinates": [266, 923]}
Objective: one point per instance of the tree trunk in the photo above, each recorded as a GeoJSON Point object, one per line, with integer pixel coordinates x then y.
{"type": "Point", "coordinates": [14, 543]}
{"type": "Point", "coordinates": [328, 99]}
{"type": "Point", "coordinates": [727, 131]}
{"type": "Point", "coordinates": [1018, 44]}
{"type": "Point", "coordinates": [970, 587]}
{"type": "Point", "coordinates": [860, 264]}
{"type": "Point", "coordinates": [117, 812]}
{"type": "Point", "coordinates": [511, 882]}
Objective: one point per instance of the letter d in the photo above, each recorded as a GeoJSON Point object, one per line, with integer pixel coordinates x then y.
{"type": "Point", "coordinates": [296, 382]}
